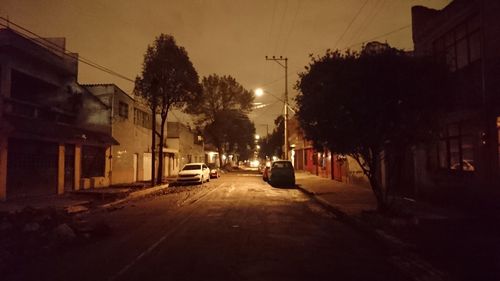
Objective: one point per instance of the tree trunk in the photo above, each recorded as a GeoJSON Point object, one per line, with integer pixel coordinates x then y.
{"type": "Point", "coordinates": [153, 144]}
{"type": "Point", "coordinates": [379, 194]}
{"type": "Point", "coordinates": [378, 189]}
{"type": "Point", "coordinates": [160, 152]}
{"type": "Point", "coordinates": [219, 149]}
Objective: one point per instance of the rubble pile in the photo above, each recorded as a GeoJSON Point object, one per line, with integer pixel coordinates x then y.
{"type": "Point", "coordinates": [32, 232]}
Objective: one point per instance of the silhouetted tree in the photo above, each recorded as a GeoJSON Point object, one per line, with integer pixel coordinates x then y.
{"type": "Point", "coordinates": [241, 137]}
{"type": "Point", "coordinates": [224, 102]}
{"type": "Point", "coordinates": [272, 145]}
{"type": "Point", "coordinates": [364, 105]}
{"type": "Point", "coordinates": [168, 81]}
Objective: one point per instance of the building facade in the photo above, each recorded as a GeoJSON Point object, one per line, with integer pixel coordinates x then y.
{"type": "Point", "coordinates": [321, 163]}
{"type": "Point", "coordinates": [50, 142]}
{"type": "Point", "coordinates": [464, 160]}
{"type": "Point", "coordinates": [131, 123]}
{"type": "Point", "coordinates": [184, 146]}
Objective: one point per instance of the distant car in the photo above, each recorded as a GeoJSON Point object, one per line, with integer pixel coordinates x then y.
{"type": "Point", "coordinates": [281, 173]}
{"type": "Point", "coordinates": [214, 171]}
{"type": "Point", "coordinates": [194, 173]}
{"type": "Point", "coordinates": [467, 166]}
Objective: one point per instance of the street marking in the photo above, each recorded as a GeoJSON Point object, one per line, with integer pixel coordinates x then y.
{"type": "Point", "coordinates": [248, 175]}
{"type": "Point", "coordinates": [153, 246]}
{"type": "Point", "coordinates": [231, 188]}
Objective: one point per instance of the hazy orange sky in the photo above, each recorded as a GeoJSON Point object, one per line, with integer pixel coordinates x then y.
{"type": "Point", "coordinates": [221, 36]}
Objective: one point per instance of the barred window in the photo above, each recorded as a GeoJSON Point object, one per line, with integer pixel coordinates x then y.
{"type": "Point", "coordinates": [456, 148]}
{"type": "Point", "coordinates": [123, 109]}
{"type": "Point", "coordinates": [142, 118]}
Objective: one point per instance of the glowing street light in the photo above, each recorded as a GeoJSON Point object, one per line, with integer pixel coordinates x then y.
{"type": "Point", "coordinates": [259, 92]}
{"type": "Point", "coordinates": [257, 137]}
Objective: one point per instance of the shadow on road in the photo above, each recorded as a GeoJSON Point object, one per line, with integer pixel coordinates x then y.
{"type": "Point", "coordinates": [283, 186]}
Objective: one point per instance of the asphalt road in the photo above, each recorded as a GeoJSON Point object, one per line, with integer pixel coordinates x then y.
{"type": "Point", "coordinates": [236, 227]}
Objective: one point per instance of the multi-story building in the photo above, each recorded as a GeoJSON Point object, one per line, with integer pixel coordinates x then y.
{"type": "Point", "coordinates": [131, 127]}
{"type": "Point", "coordinates": [464, 161]}
{"type": "Point", "coordinates": [50, 140]}
{"type": "Point", "coordinates": [182, 140]}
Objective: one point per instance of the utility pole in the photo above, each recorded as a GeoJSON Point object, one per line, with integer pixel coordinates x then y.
{"type": "Point", "coordinates": [279, 61]}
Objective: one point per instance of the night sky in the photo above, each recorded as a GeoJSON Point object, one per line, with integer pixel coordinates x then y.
{"type": "Point", "coordinates": [227, 37]}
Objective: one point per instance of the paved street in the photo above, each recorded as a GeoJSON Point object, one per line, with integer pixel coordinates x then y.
{"type": "Point", "coordinates": [233, 228]}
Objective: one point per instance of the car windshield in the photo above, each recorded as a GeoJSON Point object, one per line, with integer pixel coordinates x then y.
{"type": "Point", "coordinates": [282, 165]}
{"type": "Point", "coordinates": [211, 165]}
{"type": "Point", "coordinates": [191, 167]}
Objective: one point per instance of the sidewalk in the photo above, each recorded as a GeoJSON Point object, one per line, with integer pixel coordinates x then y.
{"type": "Point", "coordinates": [81, 199]}
{"type": "Point", "coordinates": [344, 198]}
{"type": "Point", "coordinates": [353, 200]}
{"type": "Point", "coordinates": [464, 245]}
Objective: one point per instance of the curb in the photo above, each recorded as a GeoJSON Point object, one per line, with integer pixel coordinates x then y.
{"type": "Point", "coordinates": [136, 194]}
{"type": "Point", "coordinates": [408, 262]}
{"type": "Point", "coordinates": [332, 208]}
{"type": "Point", "coordinates": [358, 224]}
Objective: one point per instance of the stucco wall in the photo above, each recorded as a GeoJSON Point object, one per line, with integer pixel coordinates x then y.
{"type": "Point", "coordinates": [133, 139]}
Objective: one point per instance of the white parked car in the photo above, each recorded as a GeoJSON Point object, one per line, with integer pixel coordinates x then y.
{"type": "Point", "coordinates": [194, 173]}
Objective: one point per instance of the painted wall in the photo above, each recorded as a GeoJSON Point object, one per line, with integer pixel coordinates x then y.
{"type": "Point", "coordinates": [134, 139]}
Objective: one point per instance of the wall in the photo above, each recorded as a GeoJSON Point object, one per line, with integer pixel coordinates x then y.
{"type": "Point", "coordinates": [181, 138]}
{"type": "Point", "coordinates": [133, 138]}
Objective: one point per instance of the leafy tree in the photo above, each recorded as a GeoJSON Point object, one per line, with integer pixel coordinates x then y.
{"type": "Point", "coordinates": [240, 137]}
{"type": "Point", "coordinates": [369, 105]}
{"type": "Point", "coordinates": [273, 144]}
{"type": "Point", "coordinates": [168, 81]}
{"type": "Point", "coordinates": [223, 105]}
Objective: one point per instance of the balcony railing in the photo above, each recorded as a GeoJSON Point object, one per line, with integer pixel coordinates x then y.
{"type": "Point", "coordinates": [20, 108]}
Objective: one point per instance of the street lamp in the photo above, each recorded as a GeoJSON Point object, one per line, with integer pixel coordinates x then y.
{"type": "Point", "coordinates": [259, 92]}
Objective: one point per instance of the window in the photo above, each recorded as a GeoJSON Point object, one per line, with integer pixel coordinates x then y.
{"type": "Point", "coordinates": [123, 109]}
{"type": "Point", "coordinates": [498, 140]}
{"type": "Point", "coordinates": [141, 118]}
{"type": "Point", "coordinates": [93, 161]}
{"type": "Point", "coordinates": [461, 46]}
{"type": "Point", "coordinates": [282, 165]}
{"type": "Point", "coordinates": [456, 148]}
{"type": "Point", "coordinates": [475, 46]}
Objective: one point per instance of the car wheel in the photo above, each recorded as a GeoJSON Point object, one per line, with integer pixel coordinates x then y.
{"type": "Point", "coordinates": [208, 179]}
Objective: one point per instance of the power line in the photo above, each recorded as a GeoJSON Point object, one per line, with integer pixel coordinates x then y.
{"type": "Point", "coordinates": [281, 27]}
{"type": "Point", "coordinates": [272, 26]}
{"type": "Point", "coordinates": [266, 111]}
{"type": "Point", "coordinates": [350, 23]}
{"type": "Point", "coordinates": [293, 25]}
{"type": "Point", "coordinates": [380, 36]}
{"type": "Point", "coordinates": [59, 49]}
{"type": "Point", "coordinates": [350, 46]}
{"type": "Point", "coordinates": [376, 8]}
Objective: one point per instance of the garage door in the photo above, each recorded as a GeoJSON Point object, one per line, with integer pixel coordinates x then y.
{"type": "Point", "coordinates": [146, 166]}
{"type": "Point", "coordinates": [31, 168]}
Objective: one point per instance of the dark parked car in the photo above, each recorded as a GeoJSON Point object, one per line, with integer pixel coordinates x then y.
{"type": "Point", "coordinates": [281, 173]}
